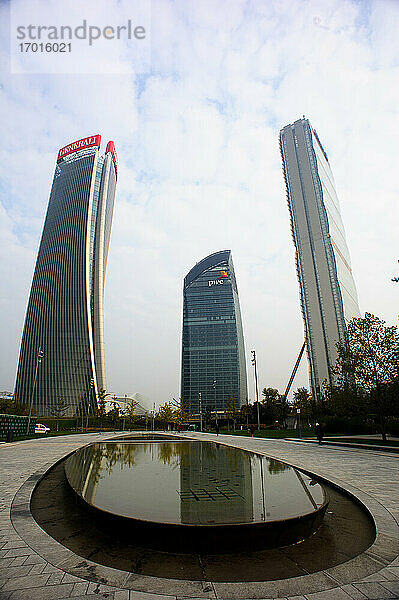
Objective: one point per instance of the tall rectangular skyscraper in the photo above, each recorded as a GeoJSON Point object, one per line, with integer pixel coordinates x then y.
{"type": "Point", "coordinates": [327, 288]}
{"type": "Point", "coordinates": [64, 318]}
{"type": "Point", "coordinates": [213, 354]}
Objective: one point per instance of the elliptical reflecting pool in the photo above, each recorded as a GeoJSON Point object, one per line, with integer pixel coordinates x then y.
{"type": "Point", "coordinates": [226, 492]}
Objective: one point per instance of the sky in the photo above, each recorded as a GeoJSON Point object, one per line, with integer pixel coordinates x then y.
{"type": "Point", "coordinates": [195, 113]}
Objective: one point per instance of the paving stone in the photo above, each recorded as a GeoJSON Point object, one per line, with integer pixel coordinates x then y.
{"type": "Point", "coordinates": [5, 562]}
{"type": "Point", "coordinates": [55, 578]}
{"type": "Point", "coordinates": [11, 572]}
{"type": "Point", "coordinates": [392, 586]}
{"type": "Point", "coordinates": [145, 596]}
{"type": "Point", "coordinates": [26, 582]}
{"type": "Point", "coordinates": [49, 568]}
{"type": "Point", "coordinates": [108, 596]}
{"type": "Point", "coordinates": [50, 592]}
{"type": "Point", "coordinates": [377, 576]}
{"type": "Point", "coordinates": [11, 545]}
{"type": "Point", "coordinates": [355, 569]}
{"type": "Point", "coordinates": [34, 559]}
{"type": "Point", "coordinates": [68, 578]}
{"type": "Point", "coordinates": [392, 571]}
{"type": "Point", "coordinates": [334, 594]}
{"type": "Point", "coordinates": [37, 569]}
{"type": "Point", "coordinates": [122, 595]}
{"type": "Point", "coordinates": [19, 552]}
{"type": "Point", "coordinates": [18, 561]}
{"type": "Point", "coordinates": [96, 588]}
{"type": "Point", "coordinates": [374, 591]}
{"type": "Point", "coordinates": [353, 592]}
{"type": "Point", "coordinates": [79, 589]}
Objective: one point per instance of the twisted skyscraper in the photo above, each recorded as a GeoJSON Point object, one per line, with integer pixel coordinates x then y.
{"type": "Point", "coordinates": [327, 288]}
{"type": "Point", "coordinates": [64, 318]}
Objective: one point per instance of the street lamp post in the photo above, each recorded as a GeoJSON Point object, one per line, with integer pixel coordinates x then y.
{"type": "Point", "coordinates": [39, 357]}
{"type": "Point", "coordinates": [395, 279]}
{"type": "Point", "coordinates": [216, 410]}
{"type": "Point", "coordinates": [88, 402]}
{"type": "Point", "coordinates": [298, 410]}
{"type": "Point", "coordinates": [124, 414]}
{"type": "Point", "coordinates": [256, 385]}
{"type": "Point", "coordinates": [200, 407]}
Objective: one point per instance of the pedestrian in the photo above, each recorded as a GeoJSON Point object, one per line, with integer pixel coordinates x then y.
{"type": "Point", "coordinates": [319, 432]}
{"type": "Point", "coordinates": [217, 428]}
{"type": "Point", "coordinates": [252, 429]}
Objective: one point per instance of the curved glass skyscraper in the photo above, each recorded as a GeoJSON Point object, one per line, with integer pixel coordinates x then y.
{"type": "Point", "coordinates": [213, 355]}
{"type": "Point", "coordinates": [64, 318]}
{"type": "Point", "coordinates": [327, 288]}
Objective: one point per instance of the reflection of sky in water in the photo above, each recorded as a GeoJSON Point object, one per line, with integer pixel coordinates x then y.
{"type": "Point", "coordinates": [189, 482]}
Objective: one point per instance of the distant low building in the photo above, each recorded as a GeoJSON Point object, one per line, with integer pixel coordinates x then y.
{"type": "Point", "coordinates": [143, 406]}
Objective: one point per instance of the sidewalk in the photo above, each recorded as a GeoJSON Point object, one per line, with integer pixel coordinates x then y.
{"type": "Point", "coordinates": [330, 441]}
{"type": "Point", "coordinates": [35, 567]}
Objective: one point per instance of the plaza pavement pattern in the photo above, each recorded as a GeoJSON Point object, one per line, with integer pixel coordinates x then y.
{"type": "Point", "coordinates": [33, 566]}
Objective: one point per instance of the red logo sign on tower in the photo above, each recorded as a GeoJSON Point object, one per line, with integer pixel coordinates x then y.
{"type": "Point", "coordinates": [87, 142]}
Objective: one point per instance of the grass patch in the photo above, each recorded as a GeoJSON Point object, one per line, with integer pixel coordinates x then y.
{"type": "Point", "coordinates": [278, 434]}
{"type": "Point", "coordinates": [366, 441]}
{"type": "Point", "coordinates": [36, 436]}
{"type": "Point", "coordinates": [274, 434]}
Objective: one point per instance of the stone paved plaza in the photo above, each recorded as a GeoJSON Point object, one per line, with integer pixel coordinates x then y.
{"type": "Point", "coordinates": [36, 567]}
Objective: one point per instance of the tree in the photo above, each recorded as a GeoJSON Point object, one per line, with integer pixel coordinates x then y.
{"type": "Point", "coordinates": [305, 402]}
{"type": "Point", "coordinates": [231, 411]}
{"type": "Point", "coordinates": [282, 409]}
{"type": "Point", "coordinates": [9, 406]}
{"type": "Point", "coordinates": [101, 405]}
{"type": "Point", "coordinates": [246, 413]}
{"type": "Point", "coordinates": [59, 408]}
{"type": "Point", "coordinates": [167, 413]}
{"type": "Point", "coordinates": [369, 360]}
{"type": "Point", "coordinates": [269, 395]}
{"type": "Point", "coordinates": [268, 406]}
{"type": "Point", "coordinates": [115, 412]}
{"type": "Point", "coordinates": [129, 412]}
{"type": "Point", "coordinates": [181, 413]}
{"type": "Point", "coordinates": [102, 394]}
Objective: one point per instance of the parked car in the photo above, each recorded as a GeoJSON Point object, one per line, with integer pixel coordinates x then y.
{"type": "Point", "coordinates": [40, 428]}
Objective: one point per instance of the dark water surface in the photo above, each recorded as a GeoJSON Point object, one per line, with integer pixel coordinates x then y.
{"type": "Point", "coordinates": [191, 483]}
{"type": "Point", "coordinates": [346, 531]}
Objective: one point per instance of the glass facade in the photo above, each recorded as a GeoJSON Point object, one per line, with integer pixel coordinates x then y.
{"type": "Point", "coordinates": [213, 355]}
{"type": "Point", "coordinates": [64, 317]}
{"type": "Point", "coordinates": [327, 288]}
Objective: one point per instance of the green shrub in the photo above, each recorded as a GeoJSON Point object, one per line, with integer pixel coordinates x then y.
{"type": "Point", "coordinates": [348, 425]}
{"type": "Point", "coordinates": [393, 426]}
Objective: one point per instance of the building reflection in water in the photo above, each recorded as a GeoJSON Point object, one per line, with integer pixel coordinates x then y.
{"type": "Point", "coordinates": [189, 483]}
{"type": "Point", "coordinates": [216, 485]}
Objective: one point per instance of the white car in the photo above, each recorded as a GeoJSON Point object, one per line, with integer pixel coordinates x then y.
{"type": "Point", "coordinates": [40, 428]}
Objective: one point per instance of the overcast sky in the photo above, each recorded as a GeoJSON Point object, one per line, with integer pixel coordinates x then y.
{"type": "Point", "coordinates": [195, 119]}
